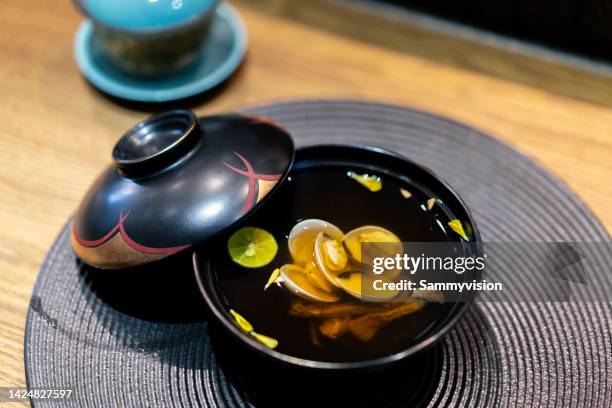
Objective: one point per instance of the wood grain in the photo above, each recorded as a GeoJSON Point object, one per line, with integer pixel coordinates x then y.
{"type": "Point", "coordinates": [56, 132]}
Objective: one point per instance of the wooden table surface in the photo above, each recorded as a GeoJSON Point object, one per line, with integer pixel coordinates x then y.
{"type": "Point", "coordinates": [56, 132]}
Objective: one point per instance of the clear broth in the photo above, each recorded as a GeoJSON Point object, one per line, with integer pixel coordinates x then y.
{"type": "Point", "coordinates": [328, 193]}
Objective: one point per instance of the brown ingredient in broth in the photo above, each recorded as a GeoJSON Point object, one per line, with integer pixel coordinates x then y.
{"type": "Point", "coordinates": [362, 320]}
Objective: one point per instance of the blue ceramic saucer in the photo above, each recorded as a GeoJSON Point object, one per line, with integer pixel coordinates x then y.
{"type": "Point", "coordinates": [222, 54]}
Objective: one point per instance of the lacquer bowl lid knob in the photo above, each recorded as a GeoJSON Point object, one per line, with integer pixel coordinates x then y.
{"type": "Point", "coordinates": [157, 142]}
{"type": "Point", "coordinates": [177, 181]}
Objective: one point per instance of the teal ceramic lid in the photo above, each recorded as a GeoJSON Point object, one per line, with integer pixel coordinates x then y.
{"type": "Point", "coordinates": [145, 14]}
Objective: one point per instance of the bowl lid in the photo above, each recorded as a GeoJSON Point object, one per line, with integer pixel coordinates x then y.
{"type": "Point", "coordinates": [144, 15]}
{"type": "Point", "coordinates": [175, 182]}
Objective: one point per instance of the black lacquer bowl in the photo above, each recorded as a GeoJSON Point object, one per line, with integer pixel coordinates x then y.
{"type": "Point", "coordinates": [287, 206]}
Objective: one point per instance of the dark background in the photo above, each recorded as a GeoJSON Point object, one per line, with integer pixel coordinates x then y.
{"type": "Point", "coordinates": [582, 27]}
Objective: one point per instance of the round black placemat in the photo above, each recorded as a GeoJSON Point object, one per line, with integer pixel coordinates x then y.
{"type": "Point", "coordinates": [111, 339]}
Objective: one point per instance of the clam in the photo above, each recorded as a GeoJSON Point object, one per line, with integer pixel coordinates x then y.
{"type": "Point", "coordinates": [303, 235]}
{"type": "Point", "coordinates": [330, 257]}
{"type": "Point", "coordinates": [318, 278]}
{"type": "Point", "coordinates": [325, 259]}
{"type": "Point", "coordinates": [372, 234]}
{"type": "Point", "coordinates": [299, 282]}
{"type": "Point", "coordinates": [362, 287]}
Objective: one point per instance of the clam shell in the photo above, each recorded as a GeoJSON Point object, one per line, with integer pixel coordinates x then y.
{"type": "Point", "coordinates": [318, 278]}
{"type": "Point", "coordinates": [329, 273]}
{"type": "Point", "coordinates": [354, 284]}
{"type": "Point", "coordinates": [296, 281]}
{"type": "Point", "coordinates": [370, 233]}
{"type": "Point", "coordinates": [303, 235]}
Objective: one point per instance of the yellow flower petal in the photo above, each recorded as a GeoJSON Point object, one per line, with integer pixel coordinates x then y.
{"type": "Point", "coordinates": [273, 277]}
{"type": "Point", "coordinates": [405, 193]}
{"type": "Point", "coordinates": [371, 182]}
{"type": "Point", "coordinates": [265, 340]}
{"type": "Point", "coordinates": [458, 228]}
{"type": "Point", "coordinates": [242, 322]}
{"type": "Point", "coordinates": [430, 203]}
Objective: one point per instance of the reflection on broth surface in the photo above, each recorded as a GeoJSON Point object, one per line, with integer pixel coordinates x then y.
{"type": "Point", "coordinates": [319, 217]}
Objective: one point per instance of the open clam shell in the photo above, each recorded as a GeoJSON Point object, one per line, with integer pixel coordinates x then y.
{"type": "Point", "coordinates": [330, 257]}
{"type": "Point", "coordinates": [298, 282]}
{"type": "Point", "coordinates": [318, 278]}
{"type": "Point", "coordinates": [362, 287]}
{"type": "Point", "coordinates": [303, 236]}
{"type": "Point", "coordinates": [390, 243]}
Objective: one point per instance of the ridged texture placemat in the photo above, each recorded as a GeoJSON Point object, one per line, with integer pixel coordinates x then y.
{"type": "Point", "coordinates": [499, 355]}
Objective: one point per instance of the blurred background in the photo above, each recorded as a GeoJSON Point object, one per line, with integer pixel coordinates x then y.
{"type": "Point", "coordinates": [580, 27]}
